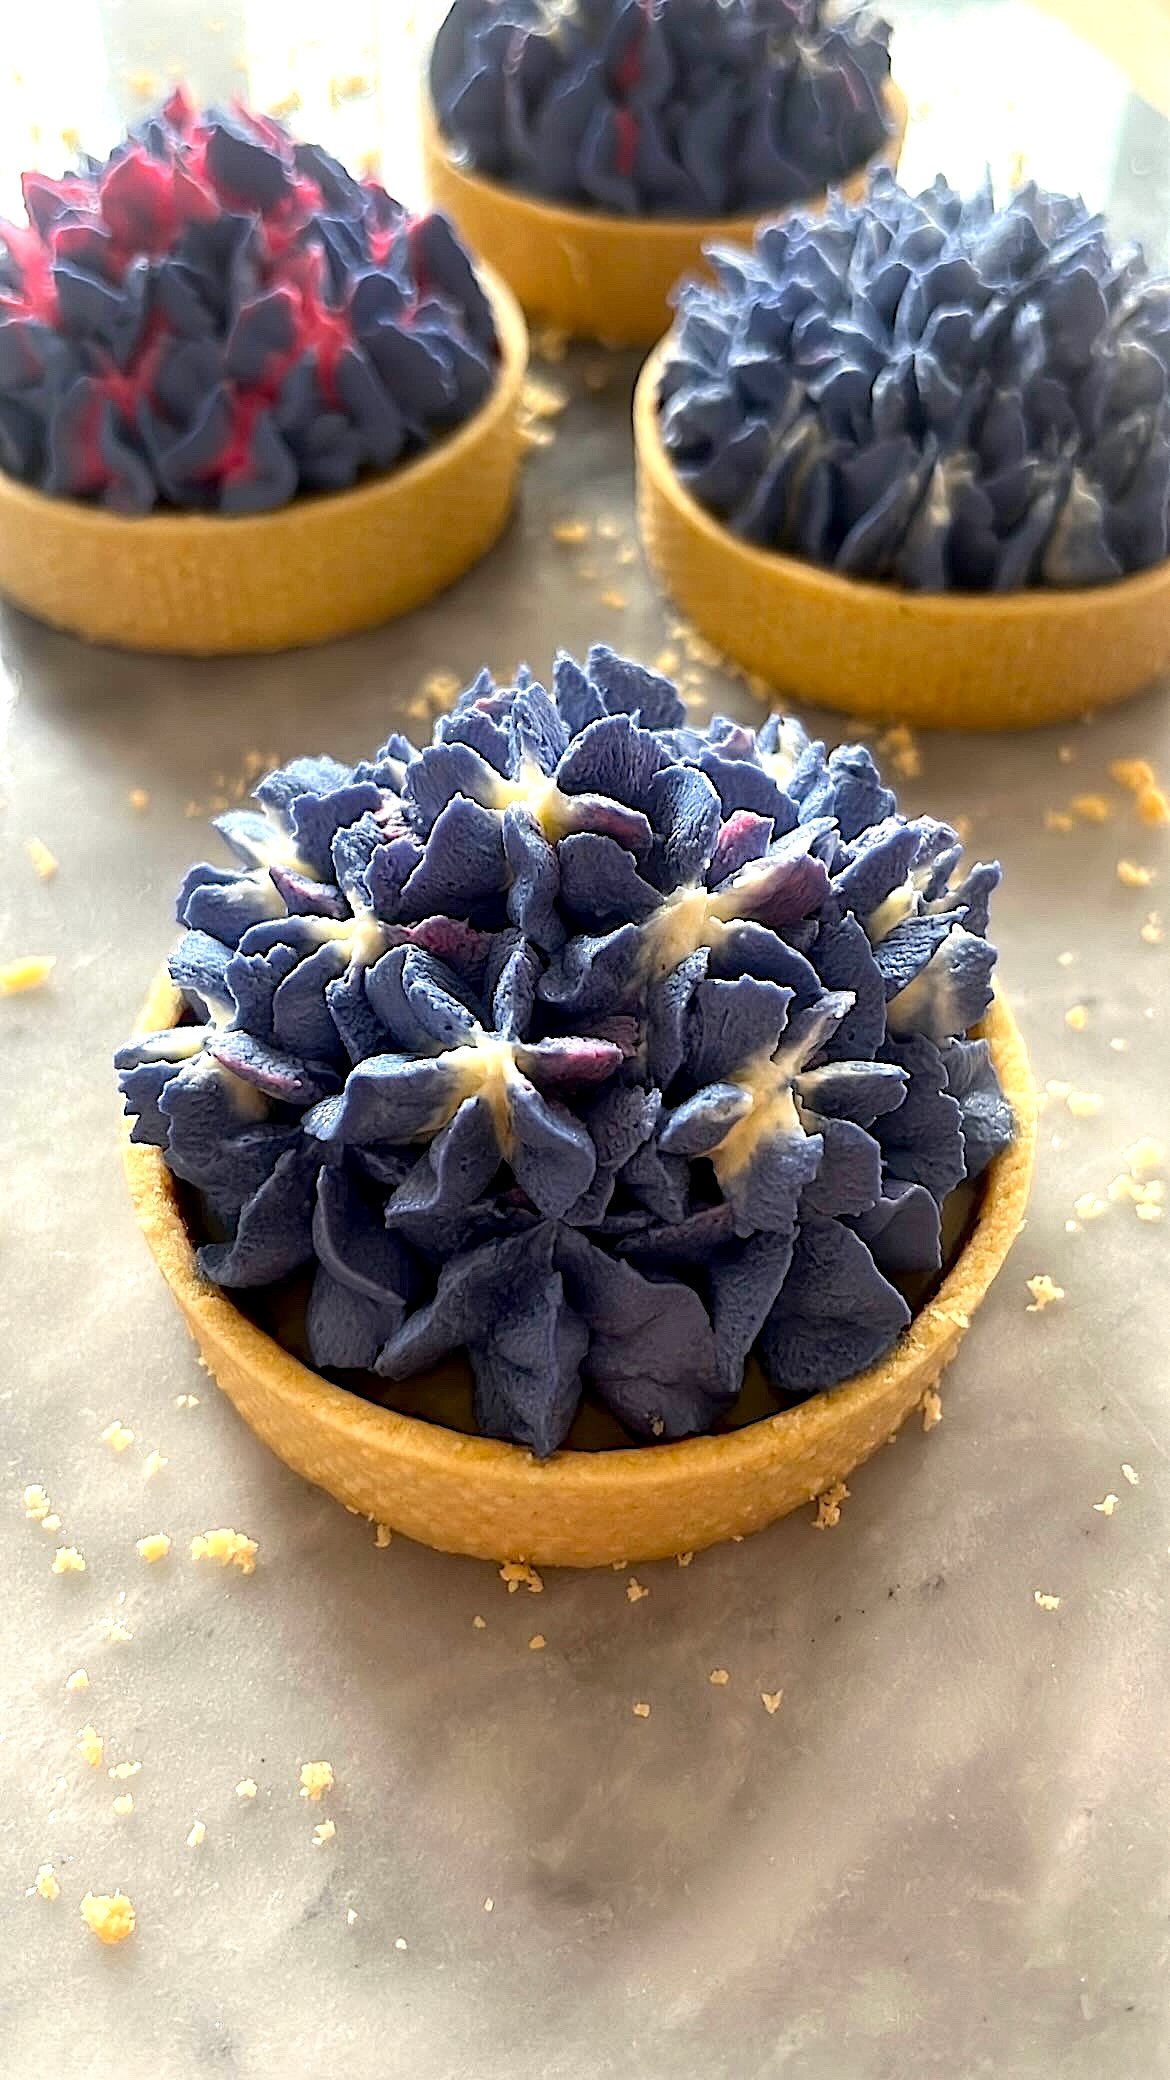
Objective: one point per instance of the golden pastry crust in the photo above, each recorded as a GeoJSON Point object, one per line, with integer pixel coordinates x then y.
{"type": "Point", "coordinates": [589, 273]}
{"type": "Point", "coordinates": [324, 566]}
{"type": "Point", "coordinates": [938, 660]}
{"type": "Point", "coordinates": [581, 1509]}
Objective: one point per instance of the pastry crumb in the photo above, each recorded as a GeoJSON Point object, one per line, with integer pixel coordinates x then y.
{"type": "Point", "coordinates": [641, 1710]}
{"type": "Point", "coordinates": [1131, 875]}
{"type": "Point", "coordinates": [1152, 931]}
{"type": "Point", "coordinates": [1153, 806]}
{"type": "Point", "coordinates": [113, 1631]}
{"type": "Point", "coordinates": [109, 1916]}
{"type": "Point", "coordinates": [124, 1804]}
{"type": "Point", "coordinates": [1144, 1155]}
{"type": "Point", "coordinates": [138, 799]}
{"type": "Point", "coordinates": [44, 863]}
{"type": "Point", "coordinates": [543, 400]}
{"type": "Point", "coordinates": [550, 343]}
{"type": "Point", "coordinates": [1149, 1211]}
{"type": "Point", "coordinates": [1045, 1292]}
{"type": "Point", "coordinates": [537, 1643]}
{"type": "Point", "coordinates": [246, 1789]}
{"type": "Point", "coordinates": [1089, 1207]}
{"type": "Point", "coordinates": [932, 1408]}
{"type": "Point", "coordinates": [121, 1772]}
{"type": "Point", "coordinates": [668, 663]}
{"type": "Point", "coordinates": [635, 1590]}
{"type": "Point", "coordinates": [489, 1905]}
{"type": "Point", "coordinates": [719, 1677]}
{"type": "Point", "coordinates": [513, 1572]}
{"type": "Point", "coordinates": [1135, 774]}
{"type": "Point", "coordinates": [36, 1504]}
{"type": "Point", "coordinates": [117, 1436]}
{"type": "Point", "coordinates": [1058, 820]}
{"type": "Point", "coordinates": [316, 1779]}
{"type": "Point", "coordinates": [197, 1835]}
{"type": "Point", "coordinates": [1076, 1017]}
{"type": "Point", "coordinates": [1130, 1475]}
{"type": "Point", "coordinates": [571, 534]}
{"type": "Point", "coordinates": [45, 1882]}
{"type": "Point", "coordinates": [1084, 1104]}
{"type": "Point", "coordinates": [1119, 1044]}
{"type": "Point", "coordinates": [1091, 808]}
{"type": "Point", "coordinates": [479, 1623]}
{"type": "Point", "coordinates": [186, 1401]}
{"type": "Point", "coordinates": [91, 1746]}
{"type": "Point", "coordinates": [324, 1832]}
{"type": "Point", "coordinates": [152, 1464]}
{"type": "Point", "coordinates": [829, 1503]}
{"type": "Point", "coordinates": [51, 1523]}
{"type": "Point", "coordinates": [400, 1943]}
{"type": "Point", "coordinates": [1065, 960]}
{"type": "Point", "coordinates": [1107, 1505]}
{"type": "Point", "coordinates": [613, 598]}
{"type": "Point", "coordinates": [770, 1699]}
{"type": "Point", "coordinates": [683, 1559]}
{"type": "Point", "coordinates": [383, 1536]}
{"type": "Point", "coordinates": [31, 971]}
{"type": "Point", "coordinates": [227, 1548]}
{"type": "Point", "coordinates": [155, 1546]}
{"type": "Point", "coordinates": [350, 1918]}
{"type": "Point", "coordinates": [77, 1681]}
{"type": "Point", "coordinates": [1045, 1601]}
{"type": "Point", "coordinates": [67, 1560]}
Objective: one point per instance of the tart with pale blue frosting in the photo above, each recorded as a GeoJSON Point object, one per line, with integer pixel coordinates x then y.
{"type": "Point", "coordinates": [960, 403]}
{"type": "Point", "coordinates": [621, 1059]}
{"type": "Point", "coordinates": [221, 323]}
{"type": "Point", "coordinates": [589, 146]}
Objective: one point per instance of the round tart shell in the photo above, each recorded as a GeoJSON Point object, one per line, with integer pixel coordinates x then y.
{"type": "Point", "coordinates": [324, 566]}
{"type": "Point", "coordinates": [587, 272]}
{"type": "Point", "coordinates": [938, 660]}
{"type": "Point", "coordinates": [581, 1509]}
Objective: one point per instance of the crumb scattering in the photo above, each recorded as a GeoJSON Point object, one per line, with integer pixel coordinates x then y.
{"type": "Point", "coordinates": [350, 1918]}
{"type": "Point", "coordinates": [641, 1710]}
{"type": "Point", "coordinates": [186, 1401]}
{"type": "Point", "coordinates": [45, 1882]}
{"type": "Point", "coordinates": [90, 1746]}
{"type": "Point", "coordinates": [67, 1560]}
{"type": "Point", "coordinates": [383, 1536]}
{"type": "Point", "coordinates": [30, 971]}
{"type": "Point", "coordinates": [124, 1804]}
{"type": "Point", "coordinates": [489, 1905]}
{"type": "Point", "coordinates": [515, 1572]}
{"type": "Point", "coordinates": [246, 1789]}
{"type": "Point", "coordinates": [36, 1504]}
{"type": "Point", "coordinates": [829, 1506]}
{"type": "Point", "coordinates": [1144, 1155]}
{"type": "Point", "coordinates": [932, 1408]}
{"type": "Point", "coordinates": [1107, 1505]}
{"type": "Point", "coordinates": [155, 1546]}
{"type": "Point", "coordinates": [198, 1834]}
{"type": "Point", "coordinates": [1153, 931]}
{"type": "Point", "coordinates": [44, 863]}
{"type": "Point", "coordinates": [152, 1464]}
{"type": "Point", "coordinates": [1135, 774]}
{"type": "Point", "coordinates": [770, 1699]}
{"type": "Point", "coordinates": [537, 1643]}
{"type": "Point", "coordinates": [400, 1942]}
{"type": "Point", "coordinates": [571, 534]}
{"type": "Point", "coordinates": [1132, 875]}
{"type": "Point", "coordinates": [77, 1681]}
{"type": "Point", "coordinates": [324, 1832]}
{"type": "Point", "coordinates": [1045, 1292]}
{"type": "Point", "coordinates": [683, 1559]}
{"type": "Point", "coordinates": [1076, 1017]}
{"type": "Point", "coordinates": [1045, 1601]}
{"type": "Point", "coordinates": [479, 1623]}
{"type": "Point", "coordinates": [121, 1772]}
{"type": "Point", "coordinates": [109, 1916]}
{"type": "Point", "coordinates": [1089, 1207]}
{"type": "Point", "coordinates": [635, 1590]}
{"type": "Point", "coordinates": [117, 1436]}
{"type": "Point", "coordinates": [114, 1631]}
{"type": "Point", "coordinates": [719, 1677]}
{"type": "Point", "coordinates": [1091, 808]}
{"type": "Point", "coordinates": [51, 1523]}
{"type": "Point", "coordinates": [227, 1548]}
{"type": "Point", "coordinates": [1129, 1474]}
{"type": "Point", "coordinates": [316, 1779]}
{"type": "Point", "coordinates": [1153, 806]}
{"type": "Point", "coordinates": [1084, 1104]}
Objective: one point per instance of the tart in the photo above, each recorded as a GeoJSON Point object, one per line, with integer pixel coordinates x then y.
{"type": "Point", "coordinates": [656, 1071]}
{"type": "Point", "coordinates": [940, 493]}
{"type": "Point", "coordinates": [590, 159]}
{"type": "Point", "coordinates": [246, 401]}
